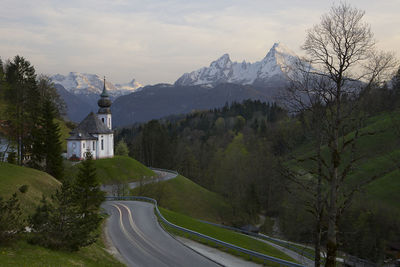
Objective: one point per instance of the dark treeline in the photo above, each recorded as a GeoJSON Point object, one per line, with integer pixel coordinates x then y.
{"type": "Point", "coordinates": [231, 150]}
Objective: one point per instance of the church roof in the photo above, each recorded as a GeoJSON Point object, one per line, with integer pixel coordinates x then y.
{"type": "Point", "coordinates": [81, 136]}
{"type": "Point", "coordinates": [91, 125]}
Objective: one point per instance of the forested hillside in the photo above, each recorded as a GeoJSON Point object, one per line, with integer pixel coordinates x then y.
{"type": "Point", "coordinates": [242, 151]}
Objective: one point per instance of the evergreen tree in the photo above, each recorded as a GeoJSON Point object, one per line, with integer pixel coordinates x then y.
{"type": "Point", "coordinates": [56, 224]}
{"type": "Point", "coordinates": [11, 222]}
{"type": "Point", "coordinates": [86, 188]}
{"type": "Point", "coordinates": [88, 197]}
{"type": "Point", "coordinates": [122, 148]}
{"type": "Point", "coordinates": [22, 106]}
{"type": "Point", "coordinates": [52, 143]}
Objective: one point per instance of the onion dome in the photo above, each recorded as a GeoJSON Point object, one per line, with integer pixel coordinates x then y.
{"type": "Point", "coordinates": [104, 101]}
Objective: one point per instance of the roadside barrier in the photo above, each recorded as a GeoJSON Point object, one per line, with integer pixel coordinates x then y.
{"type": "Point", "coordinates": [265, 237]}
{"type": "Point", "coordinates": [216, 241]}
{"type": "Point", "coordinates": [163, 170]}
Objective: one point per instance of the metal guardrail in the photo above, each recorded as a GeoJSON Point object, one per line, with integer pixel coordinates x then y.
{"type": "Point", "coordinates": [222, 243]}
{"type": "Point", "coordinates": [265, 237]}
{"type": "Point", "coordinates": [163, 170]}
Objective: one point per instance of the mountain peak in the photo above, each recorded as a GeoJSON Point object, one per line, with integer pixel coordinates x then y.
{"type": "Point", "coordinates": [222, 62]}
{"type": "Point", "coordinates": [279, 48]}
{"type": "Point", "coordinates": [86, 83]}
{"type": "Point", "coordinates": [223, 70]}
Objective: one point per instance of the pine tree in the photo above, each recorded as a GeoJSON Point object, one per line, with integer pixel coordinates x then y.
{"type": "Point", "coordinates": [56, 224]}
{"type": "Point", "coordinates": [11, 222]}
{"type": "Point", "coordinates": [52, 143]}
{"type": "Point", "coordinates": [87, 189]}
{"type": "Point", "coordinates": [22, 105]}
{"type": "Point", "coordinates": [88, 197]}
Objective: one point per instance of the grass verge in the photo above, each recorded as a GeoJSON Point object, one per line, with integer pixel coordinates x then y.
{"type": "Point", "coordinates": [223, 235]}
{"type": "Point", "coordinates": [21, 253]}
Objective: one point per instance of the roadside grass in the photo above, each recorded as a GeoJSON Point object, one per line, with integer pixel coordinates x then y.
{"type": "Point", "coordinates": [119, 169]}
{"type": "Point", "coordinates": [225, 235]}
{"type": "Point", "coordinates": [184, 196]}
{"type": "Point", "coordinates": [21, 253]}
{"type": "Point", "coordinates": [12, 177]}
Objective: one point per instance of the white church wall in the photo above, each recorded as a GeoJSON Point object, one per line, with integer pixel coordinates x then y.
{"type": "Point", "coordinates": [106, 119]}
{"type": "Point", "coordinates": [106, 146]}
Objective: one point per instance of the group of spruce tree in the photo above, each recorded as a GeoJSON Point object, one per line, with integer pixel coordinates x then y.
{"type": "Point", "coordinates": [31, 107]}
{"type": "Point", "coordinates": [69, 218]}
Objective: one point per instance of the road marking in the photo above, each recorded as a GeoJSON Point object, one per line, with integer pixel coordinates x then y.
{"type": "Point", "coordinates": [128, 236]}
{"type": "Point", "coordinates": [143, 236]}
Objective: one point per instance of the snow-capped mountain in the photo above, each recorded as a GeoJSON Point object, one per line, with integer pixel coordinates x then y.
{"type": "Point", "coordinates": [86, 84]}
{"type": "Point", "coordinates": [273, 66]}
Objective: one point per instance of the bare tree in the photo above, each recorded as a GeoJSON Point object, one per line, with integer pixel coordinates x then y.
{"type": "Point", "coordinates": [341, 61]}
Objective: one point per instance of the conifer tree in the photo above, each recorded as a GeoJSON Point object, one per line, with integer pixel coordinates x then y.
{"type": "Point", "coordinates": [87, 189]}
{"type": "Point", "coordinates": [52, 143]}
{"type": "Point", "coordinates": [22, 105]}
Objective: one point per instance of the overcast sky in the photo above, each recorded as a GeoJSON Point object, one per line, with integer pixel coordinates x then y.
{"type": "Point", "coordinates": [157, 41]}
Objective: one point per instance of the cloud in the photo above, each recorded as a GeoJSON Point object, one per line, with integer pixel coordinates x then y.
{"type": "Point", "coordinates": [156, 41]}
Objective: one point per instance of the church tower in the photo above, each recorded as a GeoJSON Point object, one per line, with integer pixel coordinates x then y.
{"type": "Point", "coordinates": [104, 113]}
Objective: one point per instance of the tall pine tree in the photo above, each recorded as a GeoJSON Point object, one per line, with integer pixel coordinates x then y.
{"type": "Point", "coordinates": [22, 105]}
{"type": "Point", "coordinates": [52, 143]}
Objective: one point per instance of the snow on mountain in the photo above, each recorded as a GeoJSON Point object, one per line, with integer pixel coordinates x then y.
{"type": "Point", "coordinates": [223, 70]}
{"type": "Point", "coordinates": [84, 83]}
{"type": "Point", "coordinates": [131, 86]}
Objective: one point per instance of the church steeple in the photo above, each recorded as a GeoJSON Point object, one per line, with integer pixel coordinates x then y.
{"type": "Point", "coordinates": [104, 102]}
{"type": "Point", "coordinates": [104, 93]}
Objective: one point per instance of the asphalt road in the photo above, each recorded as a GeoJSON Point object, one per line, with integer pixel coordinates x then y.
{"type": "Point", "coordinates": [140, 240]}
{"type": "Point", "coordinates": [111, 190]}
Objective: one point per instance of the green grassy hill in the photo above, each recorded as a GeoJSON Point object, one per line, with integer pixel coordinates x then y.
{"type": "Point", "coordinates": [119, 169]}
{"type": "Point", "coordinates": [20, 253]}
{"type": "Point", "coordinates": [184, 196]}
{"type": "Point", "coordinates": [13, 177]}
{"type": "Point", "coordinates": [378, 152]}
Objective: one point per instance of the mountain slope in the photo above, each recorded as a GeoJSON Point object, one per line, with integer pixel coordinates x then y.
{"type": "Point", "coordinates": [86, 84]}
{"type": "Point", "coordinates": [154, 102]}
{"type": "Point", "coordinates": [272, 67]}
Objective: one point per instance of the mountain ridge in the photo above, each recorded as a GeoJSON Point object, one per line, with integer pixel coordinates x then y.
{"type": "Point", "coordinates": [274, 65]}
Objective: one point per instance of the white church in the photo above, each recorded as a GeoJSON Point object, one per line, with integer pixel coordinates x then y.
{"type": "Point", "coordinates": [94, 133]}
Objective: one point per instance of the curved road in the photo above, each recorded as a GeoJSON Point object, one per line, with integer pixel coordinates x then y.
{"type": "Point", "coordinates": [136, 234]}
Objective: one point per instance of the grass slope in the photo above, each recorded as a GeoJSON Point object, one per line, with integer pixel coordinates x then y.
{"type": "Point", "coordinates": [21, 253]}
{"type": "Point", "coordinates": [378, 152]}
{"type": "Point", "coordinates": [223, 234]}
{"type": "Point", "coordinates": [119, 169]}
{"type": "Point", "coordinates": [13, 177]}
{"type": "Point", "coordinates": [184, 196]}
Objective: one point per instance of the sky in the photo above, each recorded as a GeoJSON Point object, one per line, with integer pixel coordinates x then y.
{"type": "Point", "coordinates": [156, 41]}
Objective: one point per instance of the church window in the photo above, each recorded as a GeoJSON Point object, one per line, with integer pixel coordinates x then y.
{"type": "Point", "coordinates": [109, 122]}
{"type": "Point", "coordinates": [94, 145]}
{"type": "Point", "coordinates": [83, 145]}
{"type": "Point", "coordinates": [102, 144]}
{"type": "Point", "coordinates": [102, 119]}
